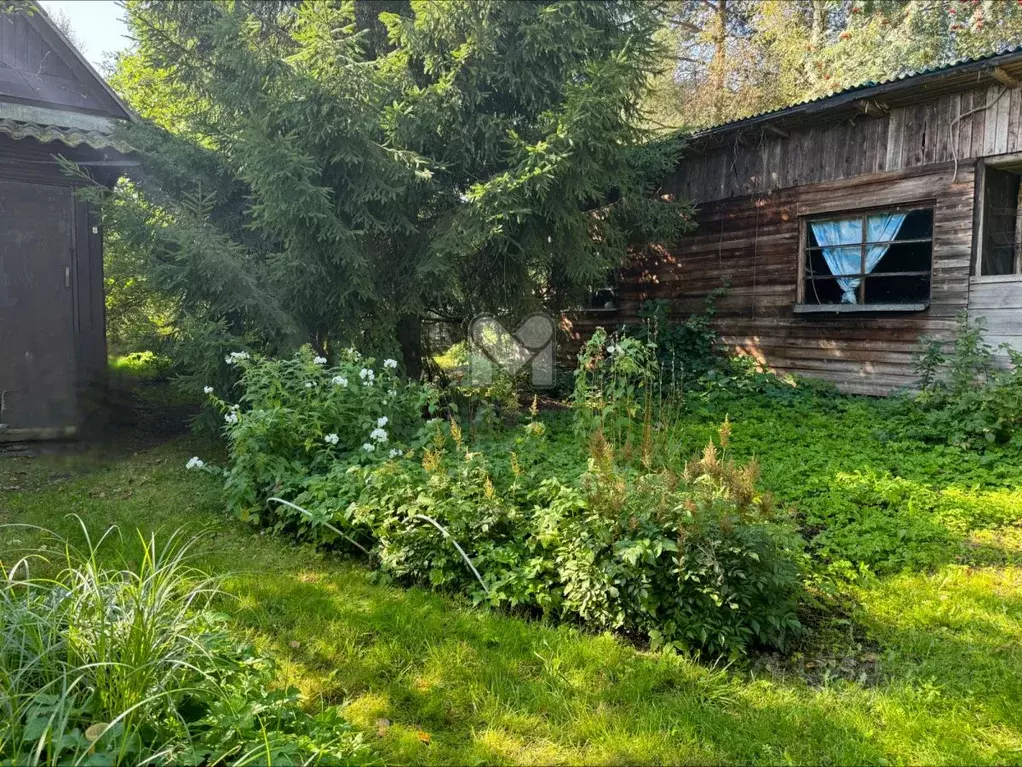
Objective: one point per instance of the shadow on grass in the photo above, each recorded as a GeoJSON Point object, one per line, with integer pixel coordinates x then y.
{"type": "Point", "coordinates": [481, 687]}
{"type": "Point", "coordinates": [488, 688]}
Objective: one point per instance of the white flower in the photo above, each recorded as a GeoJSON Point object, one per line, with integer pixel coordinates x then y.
{"type": "Point", "coordinates": [388, 363]}
{"type": "Point", "coordinates": [380, 435]}
{"type": "Point", "coordinates": [339, 381]}
{"type": "Point", "coordinates": [611, 349]}
{"type": "Point", "coordinates": [308, 384]}
{"type": "Point", "coordinates": [331, 439]}
{"type": "Point", "coordinates": [382, 421]}
{"type": "Point", "coordinates": [369, 447]}
{"type": "Point", "coordinates": [195, 463]}
{"type": "Point", "coordinates": [395, 452]}
{"type": "Point", "coordinates": [392, 392]}
{"type": "Point", "coordinates": [234, 357]}
{"type": "Point", "coordinates": [207, 389]}
{"type": "Point", "coordinates": [363, 373]}
{"type": "Point", "coordinates": [319, 360]}
{"type": "Point", "coordinates": [231, 417]}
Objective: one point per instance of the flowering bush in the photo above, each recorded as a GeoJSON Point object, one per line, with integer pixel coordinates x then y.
{"type": "Point", "coordinates": [298, 416]}
{"type": "Point", "coordinates": [688, 559]}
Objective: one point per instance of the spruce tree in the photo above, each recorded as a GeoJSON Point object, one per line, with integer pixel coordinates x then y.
{"type": "Point", "coordinates": [342, 173]}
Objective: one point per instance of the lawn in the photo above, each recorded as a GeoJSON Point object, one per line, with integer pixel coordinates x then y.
{"type": "Point", "coordinates": [923, 664]}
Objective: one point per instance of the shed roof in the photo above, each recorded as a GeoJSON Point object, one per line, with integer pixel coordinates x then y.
{"type": "Point", "coordinates": [73, 137]}
{"type": "Point", "coordinates": [49, 91]}
{"type": "Point", "coordinates": [1004, 66]}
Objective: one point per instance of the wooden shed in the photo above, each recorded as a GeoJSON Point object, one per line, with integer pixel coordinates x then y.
{"type": "Point", "coordinates": [849, 226]}
{"type": "Point", "coordinates": [52, 334]}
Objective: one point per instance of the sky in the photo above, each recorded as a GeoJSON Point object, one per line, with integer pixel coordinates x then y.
{"type": "Point", "coordinates": [98, 23]}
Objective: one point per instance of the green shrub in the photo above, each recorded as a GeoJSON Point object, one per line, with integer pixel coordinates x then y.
{"type": "Point", "coordinates": [693, 560]}
{"type": "Point", "coordinates": [686, 351]}
{"type": "Point", "coordinates": [297, 416]}
{"type": "Point", "coordinates": [123, 666]}
{"type": "Point", "coordinates": [965, 398]}
{"type": "Point", "coordinates": [619, 392]}
{"type": "Point", "coordinates": [578, 531]}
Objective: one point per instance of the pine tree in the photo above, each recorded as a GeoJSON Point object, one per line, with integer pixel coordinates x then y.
{"type": "Point", "coordinates": [772, 53]}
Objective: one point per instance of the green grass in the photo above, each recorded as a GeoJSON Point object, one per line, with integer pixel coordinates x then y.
{"type": "Point", "coordinates": [926, 669]}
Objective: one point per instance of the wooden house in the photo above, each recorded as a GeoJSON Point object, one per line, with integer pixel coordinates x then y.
{"type": "Point", "coordinates": [52, 334]}
{"type": "Point", "coordinates": [848, 227]}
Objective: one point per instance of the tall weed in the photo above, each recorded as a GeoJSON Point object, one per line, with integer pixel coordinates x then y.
{"type": "Point", "coordinates": [966, 397]}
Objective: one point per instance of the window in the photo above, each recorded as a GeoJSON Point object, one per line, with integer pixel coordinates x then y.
{"type": "Point", "coordinates": [603, 299]}
{"type": "Point", "coordinates": [868, 261]}
{"type": "Point", "coordinates": [1000, 235]}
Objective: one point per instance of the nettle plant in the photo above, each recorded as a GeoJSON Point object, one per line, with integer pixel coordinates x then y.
{"type": "Point", "coordinates": [967, 397]}
{"type": "Point", "coordinates": [296, 417]}
{"type": "Point", "coordinates": [616, 382]}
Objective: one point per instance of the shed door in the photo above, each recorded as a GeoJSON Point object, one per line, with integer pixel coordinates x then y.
{"type": "Point", "coordinates": [37, 379]}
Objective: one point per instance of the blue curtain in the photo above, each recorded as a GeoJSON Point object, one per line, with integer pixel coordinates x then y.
{"type": "Point", "coordinates": [841, 242]}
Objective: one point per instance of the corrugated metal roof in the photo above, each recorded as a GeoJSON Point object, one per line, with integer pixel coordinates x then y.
{"type": "Point", "coordinates": [71, 136]}
{"type": "Point", "coordinates": [905, 75]}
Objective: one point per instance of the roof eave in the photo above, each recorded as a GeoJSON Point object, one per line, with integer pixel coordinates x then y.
{"type": "Point", "coordinates": [855, 96]}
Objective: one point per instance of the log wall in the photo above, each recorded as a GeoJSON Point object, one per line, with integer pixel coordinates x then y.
{"type": "Point", "coordinates": [751, 198]}
{"type": "Point", "coordinates": [999, 303]}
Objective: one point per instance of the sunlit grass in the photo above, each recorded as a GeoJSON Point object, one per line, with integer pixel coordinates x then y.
{"type": "Point", "coordinates": [432, 680]}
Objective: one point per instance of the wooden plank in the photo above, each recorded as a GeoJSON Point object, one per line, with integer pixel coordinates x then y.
{"type": "Point", "coordinates": [990, 119]}
{"type": "Point", "coordinates": [945, 114]}
{"type": "Point", "coordinates": [1014, 117]}
{"type": "Point", "coordinates": [996, 295]}
{"type": "Point", "coordinates": [1001, 322]}
{"type": "Point", "coordinates": [894, 139]}
{"type": "Point", "coordinates": [963, 127]}
{"type": "Point", "coordinates": [979, 116]}
{"type": "Point", "coordinates": [1003, 108]}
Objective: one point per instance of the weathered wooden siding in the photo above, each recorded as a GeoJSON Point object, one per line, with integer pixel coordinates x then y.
{"type": "Point", "coordinates": [32, 164]}
{"type": "Point", "coordinates": [998, 300]}
{"type": "Point", "coordinates": [752, 244]}
{"type": "Point", "coordinates": [751, 195]}
{"type": "Point", "coordinates": [979, 122]}
{"type": "Point", "coordinates": [32, 69]}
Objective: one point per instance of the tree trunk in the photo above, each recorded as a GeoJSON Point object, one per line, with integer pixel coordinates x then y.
{"type": "Point", "coordinates": [819, 22]}
{"type": "Point", "coordinates": [718, 66]}
{"type": "Point", "coordinates": [409, 335]}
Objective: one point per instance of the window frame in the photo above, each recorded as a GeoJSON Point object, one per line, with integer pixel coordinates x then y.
{"type": "Point", "coordinates": [1008, 162]}
{"type": "Point", "coordinates": [802, 307]}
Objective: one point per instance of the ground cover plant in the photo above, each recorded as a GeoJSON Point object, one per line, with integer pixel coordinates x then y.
{"type": "Point", "coordinates": [653, 574]}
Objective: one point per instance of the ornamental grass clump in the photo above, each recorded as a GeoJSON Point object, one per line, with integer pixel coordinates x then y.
{"type": "Point", "coordinates": [130, 665]}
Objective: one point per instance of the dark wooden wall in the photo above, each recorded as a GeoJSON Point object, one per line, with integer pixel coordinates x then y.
{"type": "Point", "coordinates": [31, 70]}
{"type": "Point", "coordinates": [978, 122]}
{"type": "Point", "coordinates": [30, 161]}
{"type": "Point", "coordinates": [751, 197]}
